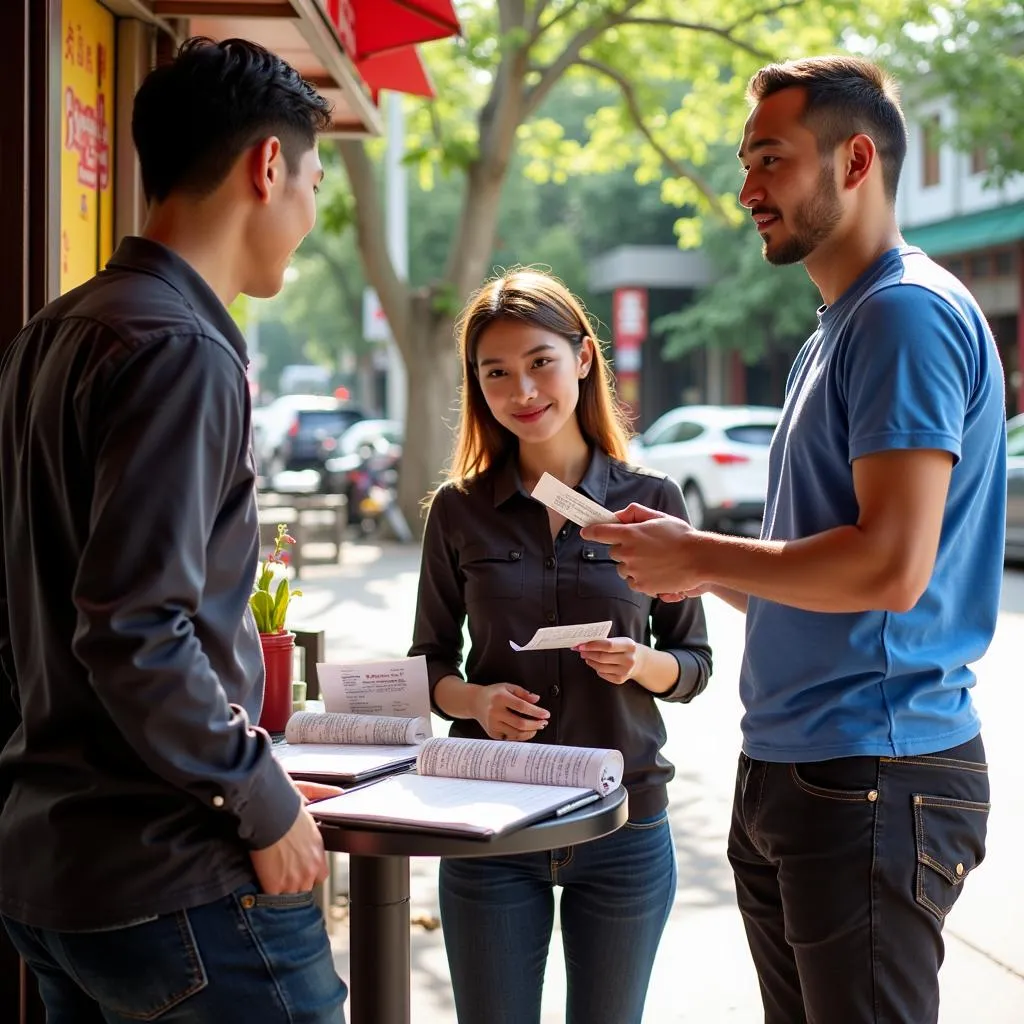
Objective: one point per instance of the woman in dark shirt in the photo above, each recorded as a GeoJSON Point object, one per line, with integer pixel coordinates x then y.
{"type": "Point", "coordinates": [537, 397]}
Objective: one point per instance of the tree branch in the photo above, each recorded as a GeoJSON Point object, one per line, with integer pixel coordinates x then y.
{"type": "Point", "coordinates": [537, 29]}
{"type": "Point", "coordinates": [392, 291]}
{"type": "Point", "coordinates": [550, 75]}
{"type": "Point", "coordinates": [692, 26]}
{"type": "Point", "coordinates": [633, 106]}
{"type": "Point", "coordinates": [766, 12]}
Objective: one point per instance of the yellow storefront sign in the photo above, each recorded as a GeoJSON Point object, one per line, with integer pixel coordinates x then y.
{"type": "Point", "coordinates": [87, 113]}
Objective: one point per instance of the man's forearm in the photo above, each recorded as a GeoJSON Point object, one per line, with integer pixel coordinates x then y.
{"type": "Point", "coordinates": [734, 598]}
{"type": "Point", "coordinates": [839, 570]}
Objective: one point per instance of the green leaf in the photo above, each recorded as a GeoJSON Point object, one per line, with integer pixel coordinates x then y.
{"type": "Point", "coordinates": [263, 611]}
{"type": "Point", "coordinates": [281, 604]}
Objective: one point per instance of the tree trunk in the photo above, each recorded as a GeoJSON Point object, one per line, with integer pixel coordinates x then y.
{"type": "Point", "coordinates": [431, 408]}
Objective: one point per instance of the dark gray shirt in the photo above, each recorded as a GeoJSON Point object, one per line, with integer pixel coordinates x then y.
{"type": "Point", "coordinates": [488, 557]}
{"type": "Point", "coordinates": [131, 780]}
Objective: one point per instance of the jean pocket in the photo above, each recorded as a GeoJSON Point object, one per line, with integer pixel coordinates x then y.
{"type": "Point", "coordinates": [949, 836]}
{"type": "Point", "coordinates": [139, 972]}
{"type": "Point", "coordinates": [276, 901]}
{"type": "Point", "coordinates": [853, 793]}
{"type": "Point", "coordinates": [646, 824]}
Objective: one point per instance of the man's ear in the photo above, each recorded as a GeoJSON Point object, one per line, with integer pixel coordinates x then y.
{"type": "Point", "coordinates": [266, 167]}
{"type": "Point", "coordinates": [860, 156]}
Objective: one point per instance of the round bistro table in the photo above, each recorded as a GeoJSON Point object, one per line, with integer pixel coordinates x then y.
{"type": "Point", "coordinates": [379, 891]}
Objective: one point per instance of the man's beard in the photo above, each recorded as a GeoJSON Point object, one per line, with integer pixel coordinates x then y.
{"type": "Point", "coordinates": [812, 222]}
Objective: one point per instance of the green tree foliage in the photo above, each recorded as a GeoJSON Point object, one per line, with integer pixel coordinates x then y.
{"type": "Point", "coordinates": [670, 80]}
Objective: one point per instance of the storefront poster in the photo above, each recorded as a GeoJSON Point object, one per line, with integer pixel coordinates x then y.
{"type": "Point", "coordinates": [87, 112]}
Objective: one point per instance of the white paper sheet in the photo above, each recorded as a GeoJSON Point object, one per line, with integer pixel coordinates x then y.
{"type": "Point", "coordinates": [336, 727]}
{"type": "Point", "coordinates": [549, 638]}
{"type": "Point", "coordinates": [461, 805]}
{"type": "Point", "coordinates": [576, 507]}
{"type": "Point", "coordinates": [397, 688]}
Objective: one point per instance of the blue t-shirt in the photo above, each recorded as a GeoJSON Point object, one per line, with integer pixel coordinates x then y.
{"type": "Point", "coordinates": [903, 359]}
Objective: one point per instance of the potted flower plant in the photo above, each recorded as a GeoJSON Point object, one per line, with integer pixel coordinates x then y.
{"type": "Point", "coordinates": [270, 609]}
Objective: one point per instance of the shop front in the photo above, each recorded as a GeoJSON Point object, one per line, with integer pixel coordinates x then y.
{"type": "Point", "coordinates": [69, 181]}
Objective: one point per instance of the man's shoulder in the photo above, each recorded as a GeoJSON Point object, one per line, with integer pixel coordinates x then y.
{"type": "Point", "coordinates": [125, 312]}
{"type": "Point", "coordinates": [915, 285]}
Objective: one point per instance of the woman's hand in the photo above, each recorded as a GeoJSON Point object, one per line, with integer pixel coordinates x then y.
{"type": "Point", "coordinates": [616, 659]}
{"type": "Point", "coordinates": [508, 712]}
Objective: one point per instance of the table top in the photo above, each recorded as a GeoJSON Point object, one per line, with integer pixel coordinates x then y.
{"type": "Point", "coordinates": [598, 819]}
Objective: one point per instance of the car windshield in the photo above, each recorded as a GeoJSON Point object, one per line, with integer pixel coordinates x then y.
{"type": "Point", "coordinates": [1015, 440]}
{"type": "Point", "coordinates": [326, 421]}
{"type": "Point", "coordinates": [751, 433]}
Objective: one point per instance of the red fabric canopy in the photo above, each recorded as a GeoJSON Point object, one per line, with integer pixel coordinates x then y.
{"type": "Point", "coordinates": [385, 25]}
{"type": "Point", "coordinates": [399, 70]}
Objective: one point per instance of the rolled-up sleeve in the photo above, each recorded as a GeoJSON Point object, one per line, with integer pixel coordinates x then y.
{"type": "Point", "coordinates": [165, 451]}
{"type": "Point", "coordinates": [679, 627]}
{"type": "Point", "coordinates": [440, 603]}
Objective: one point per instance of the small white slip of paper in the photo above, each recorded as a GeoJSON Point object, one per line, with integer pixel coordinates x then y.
{"type": "Point", "coordinates": [548, 638]}
{"type": "Point", "coordinates": [576, 507]}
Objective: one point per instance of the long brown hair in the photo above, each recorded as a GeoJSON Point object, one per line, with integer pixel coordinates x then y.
{"type": "Point", "coordinates": [540, 300]}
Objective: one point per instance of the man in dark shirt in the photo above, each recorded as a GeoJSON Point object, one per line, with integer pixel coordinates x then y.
{"type": "Point", "coordinates": [154, 859]}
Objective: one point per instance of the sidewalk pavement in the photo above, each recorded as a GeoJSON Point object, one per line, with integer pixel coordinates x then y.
{"type": "Point", "coordinates": [703, 973]}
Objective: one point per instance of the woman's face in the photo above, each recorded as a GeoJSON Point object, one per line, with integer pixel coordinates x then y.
{"type": "Point", "coordinates": [530, 378]}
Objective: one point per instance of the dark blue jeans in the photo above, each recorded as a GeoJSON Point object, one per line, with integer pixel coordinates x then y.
{"type": "Point", "coordinates": [497, 914]}
{"type": "Point", "coordinates": [845, 871]}
{"type": "Point", "coordinates": [246, 957]}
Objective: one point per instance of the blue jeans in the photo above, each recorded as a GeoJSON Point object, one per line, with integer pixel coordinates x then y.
{"type": "Point", "coordinates": [246, 957]}
{"type": "Point", "coordinates": [497, 914]}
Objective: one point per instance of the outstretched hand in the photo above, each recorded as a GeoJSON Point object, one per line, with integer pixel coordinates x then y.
{"type": "Point", "coordinates": [654, 551]}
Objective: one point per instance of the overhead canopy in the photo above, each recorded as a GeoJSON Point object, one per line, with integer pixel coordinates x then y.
{"type": "Point", "coordinates": [982, 230]}
{"type": "Point", "coordinates": [349, 49]}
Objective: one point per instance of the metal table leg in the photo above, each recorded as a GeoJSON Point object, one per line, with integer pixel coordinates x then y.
{"type": "Point", "coordinates": [379, 939]}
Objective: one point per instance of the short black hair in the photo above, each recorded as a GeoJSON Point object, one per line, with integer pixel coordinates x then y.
{"type": "Point", "coordinates": [195, 116]}
{"type": "Point", "coordinates": [845, 96]}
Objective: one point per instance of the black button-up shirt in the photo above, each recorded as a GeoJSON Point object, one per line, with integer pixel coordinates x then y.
{"type": "Point", "coordinates": [488, 556]}
{"type": "Point", "coordinates": [131, 780]}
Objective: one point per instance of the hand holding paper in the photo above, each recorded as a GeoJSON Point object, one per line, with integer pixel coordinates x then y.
{"type": "Point", "coordinates": [549, 638]}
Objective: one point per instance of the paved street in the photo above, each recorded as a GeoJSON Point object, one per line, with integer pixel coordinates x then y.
{"type": "Point", "coordinates": [703, 974]}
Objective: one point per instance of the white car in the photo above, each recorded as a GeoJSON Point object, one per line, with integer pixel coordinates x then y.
{"type": "Point", "coordinates": [1015, 489]}
{"type": "Point", "coordinates": [718, 455]}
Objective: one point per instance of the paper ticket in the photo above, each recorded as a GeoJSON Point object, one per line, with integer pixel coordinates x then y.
{"type": "Point", "coordinates": [576, 507]}
{"type": "Point", "coordinates": [549, 638]}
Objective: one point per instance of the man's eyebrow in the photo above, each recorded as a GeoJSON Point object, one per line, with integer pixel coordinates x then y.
{"type": "Point", "coordinates": [544, 347]}
{"type": "Point", "coordinates": [756, 145]}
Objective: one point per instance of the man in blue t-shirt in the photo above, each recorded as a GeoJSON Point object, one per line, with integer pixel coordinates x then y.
{"type": "Point", "coordinates": [862, 793]}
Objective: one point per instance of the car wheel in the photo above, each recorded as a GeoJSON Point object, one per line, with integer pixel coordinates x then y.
{"type": "Point", "coordinates": [695, 507]}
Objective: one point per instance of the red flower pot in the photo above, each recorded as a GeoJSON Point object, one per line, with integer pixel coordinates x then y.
{"type": "Point", "coordinates": [277, 690]}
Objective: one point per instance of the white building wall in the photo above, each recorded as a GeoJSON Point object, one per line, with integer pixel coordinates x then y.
{"type": "Point", "coordinates": [958, 191]}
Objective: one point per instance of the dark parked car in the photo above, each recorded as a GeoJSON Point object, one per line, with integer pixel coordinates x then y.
{"type": "Point", "coordinates": [364, 450]}
{"type": "Point", "coordinates": [302, 445]}
{"type": "Point", "coordinates": [1015, 489]}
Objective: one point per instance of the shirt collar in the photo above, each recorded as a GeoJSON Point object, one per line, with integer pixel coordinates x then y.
{"type": "Point", "coordinates": [144, 256]}
{"type": "Point", "coordinates": [594, 484]}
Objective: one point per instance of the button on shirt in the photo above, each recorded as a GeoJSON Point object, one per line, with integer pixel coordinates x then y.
{"type": "Point", "coordinates": [131, 781]}
{"type": "Point", "coordinates": [488, 556]}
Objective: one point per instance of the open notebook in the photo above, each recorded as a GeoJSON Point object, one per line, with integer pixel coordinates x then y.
{"type": "Point", "coordinates": [346, 749]}
{"type": "Point", "coordinates": [480, 788]}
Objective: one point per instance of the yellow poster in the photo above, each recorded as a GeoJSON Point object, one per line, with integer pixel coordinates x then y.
{"type": "Point", "coordinates": [87, 114]}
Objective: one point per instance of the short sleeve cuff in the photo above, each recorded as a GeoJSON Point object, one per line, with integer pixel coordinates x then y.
{"type": "Point", "coordinates": [905, 440]}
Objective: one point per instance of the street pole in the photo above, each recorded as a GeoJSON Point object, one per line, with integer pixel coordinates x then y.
{"type": "Point", "coordinates": [397, 220]}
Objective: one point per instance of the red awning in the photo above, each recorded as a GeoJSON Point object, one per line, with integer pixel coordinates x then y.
{"type": "Point", "coordinates": [399, 70]}
{"type": "Point", "coordinates": [385, 25]}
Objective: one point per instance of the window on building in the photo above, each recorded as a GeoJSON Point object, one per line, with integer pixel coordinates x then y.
{"type": "Point", "coordinates": [979, 160]}
{"type": "Point", "coordinates": [1004, 262]}
{"type": "Point", "coordinates": [930, 135]}
{"type": "Point", "coordinates": [955, 266]}
{"type": "Point", "coordinates": [980, 265]}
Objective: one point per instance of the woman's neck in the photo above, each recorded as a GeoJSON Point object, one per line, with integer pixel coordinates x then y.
{"type": "Point", "coordinates": [565, 457]}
